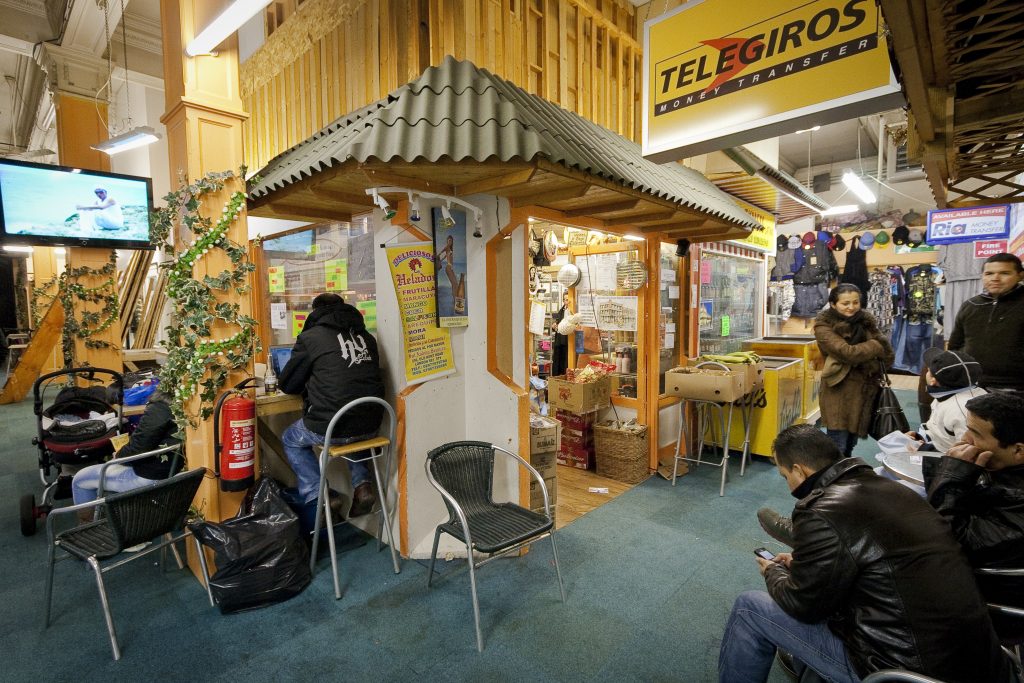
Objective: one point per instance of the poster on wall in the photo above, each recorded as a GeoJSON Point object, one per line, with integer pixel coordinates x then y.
{"type": "Point", "coordinates": [298, 321]}
{"type": "Point", "coordinates": [951, 226]}
{"type": "Point", "coordinates": [450, 283]}
{"type": "Point", "coordinates": [617, 313]}
{"type": "Point", "coordinates": [706, 314]}
{"type": "Point", "coordinates": [428, 348]}
{"type": "Point", "coordinates": [336, 275]}
{"type": "Point", "coordinates": [368, 309]}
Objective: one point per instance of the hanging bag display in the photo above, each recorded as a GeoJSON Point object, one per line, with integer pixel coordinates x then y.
{"type": "Point", "coordinates": [888, 416]}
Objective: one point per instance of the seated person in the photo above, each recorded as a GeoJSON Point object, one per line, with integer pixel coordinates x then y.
{"type": "Point", "coordinates": [875, 581]}
{"type": "Point", "coordinates": [978, 487]}
{"type": "Point", "coordinates": [156, 429]}
{"type": "Point", "coordinates": [334, 361]}
{"type": "Point", "coordinates": [952, 380]}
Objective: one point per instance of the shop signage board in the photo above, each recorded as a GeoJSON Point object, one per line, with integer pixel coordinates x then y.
{"type": "Point", "coordinates": [951, 226]}
{"type": "Point", "coordinates": [1016, 245]}
{"type": "Point", "coordinates": [718, 73]}
{"type": "Point", "coordinates": [759, 240]}
{"type": "Point", "coordinates": [428, 348]}
{"type": "Point", "coordinates": [986, 248]}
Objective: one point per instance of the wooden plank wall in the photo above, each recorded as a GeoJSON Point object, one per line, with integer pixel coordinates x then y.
{"type": "Point", "coordinates": [333, 57]}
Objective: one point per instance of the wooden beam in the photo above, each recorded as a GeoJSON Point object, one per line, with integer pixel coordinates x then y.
{"type": "Point", "coordinates": [379, 177]}
{"type": "Point", "coordinates": [906, 41]}
{"type": "Point", "coordinates": [342, 197]}
{"type": "Point", "coordinates": [296, 212]}
{"type": "Point", "coordinates": [550, 197]}
{"type": "Point", "coordinates": [611, 207]}
{"type": "Point", "coordinates": [662, 226]}
{"type": "Point", "coordinates": [1006, 106]}
{"type": "Point", "coordinates": [506, 181]}
{"type": "Point", "coordinates": [640, 218]}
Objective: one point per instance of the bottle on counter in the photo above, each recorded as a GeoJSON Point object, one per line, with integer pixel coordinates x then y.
{"type": "Point", "coordinates": [270, 381]}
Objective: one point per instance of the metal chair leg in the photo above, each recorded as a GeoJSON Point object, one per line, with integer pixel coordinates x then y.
{"type": "Point", "coordinates": [205, 568]}
{"type": "Point", "coordinates": [325, 507]}
{"type": "Point", "coordinates": [683, 433]}
{"type": "Point", "coordinates": [50, 561]}
{"type": "Point", "coordinates": [387, 519]}
{"type": "Point", "coordinates": [725, 445]}
{"type": "Point", "coordinates": [476, 604]}
{"type": "Point", "coordinates": [106, 607]}
{"type": "Point", "coordinates": [433, 556]}
{"type": "Point", "coordinates": [558, 571]}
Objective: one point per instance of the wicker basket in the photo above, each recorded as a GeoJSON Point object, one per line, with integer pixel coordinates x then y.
{"type": "Point", "coordinates": [621, 454]}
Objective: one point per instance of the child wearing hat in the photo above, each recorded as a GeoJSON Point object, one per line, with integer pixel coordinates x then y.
{"type": "Point", "coordinates": [952, 380]}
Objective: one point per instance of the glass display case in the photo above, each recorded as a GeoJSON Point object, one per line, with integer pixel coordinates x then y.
{"type": "Point", "coordinates": [670, 337]}
{"type": "Point", "coordinates": [333, 257]}
{"type": "Point", "coordinates": [731, 304]}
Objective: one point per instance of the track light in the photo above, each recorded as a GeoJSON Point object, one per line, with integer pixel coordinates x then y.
{"type": "Point", "coordinates": [389, 213]}
{"type": "Point", "coordinates": [857, 186]}
{"type": "Point", "coordinates": [476, 224]}
{"type": "Point", "coordinates": [446, 216]}
{"type": "Point", "coordinates": [414, 207]}
{"type": "Point", "coordinates": [840, 210]}
{"type": "Point", "coordinates": [682, 247]}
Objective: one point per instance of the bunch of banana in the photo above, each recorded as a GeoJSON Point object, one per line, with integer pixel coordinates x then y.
{"type": "Point", "coordinates": [734, 357]}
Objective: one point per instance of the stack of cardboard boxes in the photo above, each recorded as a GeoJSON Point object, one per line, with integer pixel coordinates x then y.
{"type": "Point", "coordinates": [577, 448]}
{"type": "Point", "coordinates": [545, 437]}
{"type": "Point", "coordinates": [577, 408]}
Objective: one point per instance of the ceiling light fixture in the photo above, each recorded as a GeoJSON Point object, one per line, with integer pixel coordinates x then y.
{"type": "Point", "coordinates": [17, 249]}
{"type": "Point", "coordinates": [229, 21]}
{"type": "Point", "coordinates": [635, 238]}
{"type": "Point", "coordinates": [389, 213]}
{"type": "Point", "coordinates": [140, 136]}
{"type": "Point", "coordinates": [857, 186]}
{"type": "Point", "coordinates": [414, 207]}
{"type": "Point", "coordinates": [788, 191]}
{"type": "Point", "coordinates": [840, 210]}
{"type": "Point", "coordinates": [446, 216]}
{"type": "Point", "coordinates": [809, 130]}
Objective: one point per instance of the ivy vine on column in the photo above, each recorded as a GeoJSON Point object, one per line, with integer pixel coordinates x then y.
{"type": "Point", "coordinates": [198, 362]}
{"type": "Point", "coordinates": [72, 294]}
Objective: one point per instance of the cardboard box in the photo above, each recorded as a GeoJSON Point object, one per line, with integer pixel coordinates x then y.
{"type": "Point", "coordinates": [580, 458]}
{"type": "Point", "coordinates": [752, 373]}
{"type": "Point", "coordinates": [545, 463]}
{"type": "Point", "coordinates": [537, 498]}
{"type": "Point", "coordinates": [579, 398]}
{"type": "Point", "coordinates": [544, 434]}
{"type": "Point", "coordinates": [705, 384]}
{"type": "Point", "coordinates": [574, 421]}
{"type": "Point", "coordinates": [577, 439]}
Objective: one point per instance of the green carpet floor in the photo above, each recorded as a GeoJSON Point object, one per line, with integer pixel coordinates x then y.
{"type": "Point", "coordinates": [650, 578]}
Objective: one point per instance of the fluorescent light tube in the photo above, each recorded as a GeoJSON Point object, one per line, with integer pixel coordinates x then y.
{"type": "Point", "coordinates": [841, 210]}
{"type": "Point", "coordinates": [19, 250]}
{"type": "Point", "coordinates": [230, 20]}
{"type": "Point", "coordinates": [139, 136]}
{"type": "Point", "coordinates": [857, 186]}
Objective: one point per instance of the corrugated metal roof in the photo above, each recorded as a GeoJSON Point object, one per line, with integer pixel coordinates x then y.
{"type": "Point", "coordinates": [461, 112]}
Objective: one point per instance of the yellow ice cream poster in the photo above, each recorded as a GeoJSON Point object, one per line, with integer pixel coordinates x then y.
{"type": "Point", "coordinates": [336, 275]}
{"type": "Point", "coordinates": [718, 73]}
{"type": "Point", "coordinates": [428, 348]}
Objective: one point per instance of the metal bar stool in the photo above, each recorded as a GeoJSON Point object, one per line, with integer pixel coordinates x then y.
{"type": "Point", "coordinates": [380, 453]}
{"type": "Point", "coordinates": [705, 423]}
{"type": "Point", "coordinates": [755, 399]}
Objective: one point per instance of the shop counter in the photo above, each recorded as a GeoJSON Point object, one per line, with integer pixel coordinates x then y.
{"type": "Point", "coordinates": [273, 415]}
{"type": "Point", "coordinates": [805, 348]}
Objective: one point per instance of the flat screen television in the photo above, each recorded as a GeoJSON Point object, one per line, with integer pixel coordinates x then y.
{"type": "Point", "coordinates": [45, 205]}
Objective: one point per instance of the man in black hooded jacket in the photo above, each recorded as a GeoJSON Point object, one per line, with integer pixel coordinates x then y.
{"type": "Point", "coordinates": [334, 361]}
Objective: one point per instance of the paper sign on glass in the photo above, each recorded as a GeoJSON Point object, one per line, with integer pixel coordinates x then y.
{"type": "Point", "coordinates": [536, 317]}
{"type": "Point", "coordinates": [278, 316]}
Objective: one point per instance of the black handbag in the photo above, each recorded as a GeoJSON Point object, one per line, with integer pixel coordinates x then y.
{"type": "Point", "coordinates": [888, 416]}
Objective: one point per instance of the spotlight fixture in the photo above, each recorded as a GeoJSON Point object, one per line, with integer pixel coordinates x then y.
{"type": "Point", "coordinates": [682, 247]}
{"type": "Point", "coordinates": [389, 213]}
{"type": "Point", "coordinates": [857, 186]}
{"type": "Point", "coordinates": [414, 207]}
{"type": "Point", "coordinates": [136, 137]}
{"type": "Point", "coordinates": [840, 210]}
{"type": "Point", "coordinates": [446, 216]}
{"type": "Point", "coordinates": [477, 232]}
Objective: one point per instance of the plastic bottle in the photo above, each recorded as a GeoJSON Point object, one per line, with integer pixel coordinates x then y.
{"type": "Point", "coordinates": [270, 381]}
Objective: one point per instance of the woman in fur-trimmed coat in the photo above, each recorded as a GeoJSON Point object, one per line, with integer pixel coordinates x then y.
{"type": "Point", "coordinates": [852, 344]}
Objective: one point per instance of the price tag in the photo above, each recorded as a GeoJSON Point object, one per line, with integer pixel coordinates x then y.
{"type": "Point", "coordinates": [725, 326]}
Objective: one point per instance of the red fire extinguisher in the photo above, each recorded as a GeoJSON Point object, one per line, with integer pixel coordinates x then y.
{"type": "Point", "coordinates": [234, 429]}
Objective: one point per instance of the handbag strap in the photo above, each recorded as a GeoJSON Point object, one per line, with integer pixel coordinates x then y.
{"type": "Point", "coordinates": [883, 381]}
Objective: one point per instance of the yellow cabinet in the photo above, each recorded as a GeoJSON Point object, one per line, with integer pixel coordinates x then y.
{"type": "Point", "coordinates": [783, 388]}
{"type": "Point", "coordinates": [806, 349]}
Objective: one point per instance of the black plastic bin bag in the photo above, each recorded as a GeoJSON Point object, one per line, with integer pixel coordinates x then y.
{"type": "Point", "coordinates": [261, 557]}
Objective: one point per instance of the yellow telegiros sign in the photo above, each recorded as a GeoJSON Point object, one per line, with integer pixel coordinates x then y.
{"type": "Point", "coordinates": [759, 240]}
{"type": "Point", "coordinates": [720, 73]}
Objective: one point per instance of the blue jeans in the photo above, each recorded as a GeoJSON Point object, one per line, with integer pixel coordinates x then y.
{"type": "Point", "coordinates": [118, 478]}
{"type": "Point", "coordinates": [844, 440]}
{"type": "Point", "coordinates": [758, 625]}
{"type": "Point", "coordinates": [298, 445]}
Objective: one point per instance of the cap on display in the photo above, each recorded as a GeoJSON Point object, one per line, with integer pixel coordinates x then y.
{"type": "Point", "coordinates": [915, 238]}
{"type": "Point", "coordinates": [867, 240]}
{"type": "Point", "coordinates": [809, 239]}
{"type": "Point", "coordinates": [794, 241]}
{"type": "Point", "coordinates": [900, 235]}
{"type": "Point", "coordinates": [837, 243]}
{"type": "Point", "coordinates": [881, 239]}
{"type": "Point", "coordinates": [824, 236]}
{"type": "Point", "coordinates": [781, 243]}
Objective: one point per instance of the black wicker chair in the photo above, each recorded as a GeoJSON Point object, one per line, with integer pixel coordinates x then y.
{"type": "Point", "coordinates": [898, 676]}
{"type": "Point", "coordinates": [123, 520]}
{"type": "Point", "coordinates": [1008, 619]}
{"type": "Point", "coordinates": [463, 473]}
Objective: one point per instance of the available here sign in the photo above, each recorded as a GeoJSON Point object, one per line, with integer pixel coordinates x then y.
{"type": "Point", "coordinates": [719, 73]}
{"type": "Point", "coordinates": [950, 226]}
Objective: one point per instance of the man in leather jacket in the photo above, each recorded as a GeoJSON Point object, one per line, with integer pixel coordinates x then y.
{"type": "Point", "coordinates": [875, 581]}
{"type": "Point", "coordinates": [978, 487]}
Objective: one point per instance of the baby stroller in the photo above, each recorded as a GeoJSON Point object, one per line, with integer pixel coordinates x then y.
{"type": "Point", "coordinates": [74, 431]}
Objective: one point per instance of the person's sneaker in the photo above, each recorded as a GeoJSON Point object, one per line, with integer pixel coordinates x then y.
{"type": "Point", "coordinates": [778, 527]}
{"type": "Point", "coordinates": [363, 500]}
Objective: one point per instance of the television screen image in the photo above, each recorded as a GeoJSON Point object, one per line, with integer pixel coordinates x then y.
{"type": "Point", "coordinates": [50, 205]}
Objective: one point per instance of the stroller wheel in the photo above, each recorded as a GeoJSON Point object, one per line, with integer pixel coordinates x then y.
{"type": "Point", "coordinates": [28, 515]}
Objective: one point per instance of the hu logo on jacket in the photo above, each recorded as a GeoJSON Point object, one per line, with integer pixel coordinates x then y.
{"type": "Point", "coordinates": [353, 349]}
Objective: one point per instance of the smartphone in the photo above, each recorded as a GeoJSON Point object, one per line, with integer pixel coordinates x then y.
{"type": "Point", "coordinates": [765, 554]}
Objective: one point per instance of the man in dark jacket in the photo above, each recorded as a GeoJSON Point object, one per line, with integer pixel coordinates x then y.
{"type": "Point", "coordinates": [334, 362]}
{"type": "Point", "coordinates": [875, 581]}
{"type": "Point", "coordinates": [978, 487]}
{"type": "Point", "coordinates": [990, 324]}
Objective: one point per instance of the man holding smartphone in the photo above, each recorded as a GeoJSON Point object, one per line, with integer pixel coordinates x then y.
{"type": "Point", "coordinates": [875, 581]}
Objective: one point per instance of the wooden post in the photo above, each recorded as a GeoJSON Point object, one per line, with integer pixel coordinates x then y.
{"type": "Point", "coordinates": [204, 133]}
